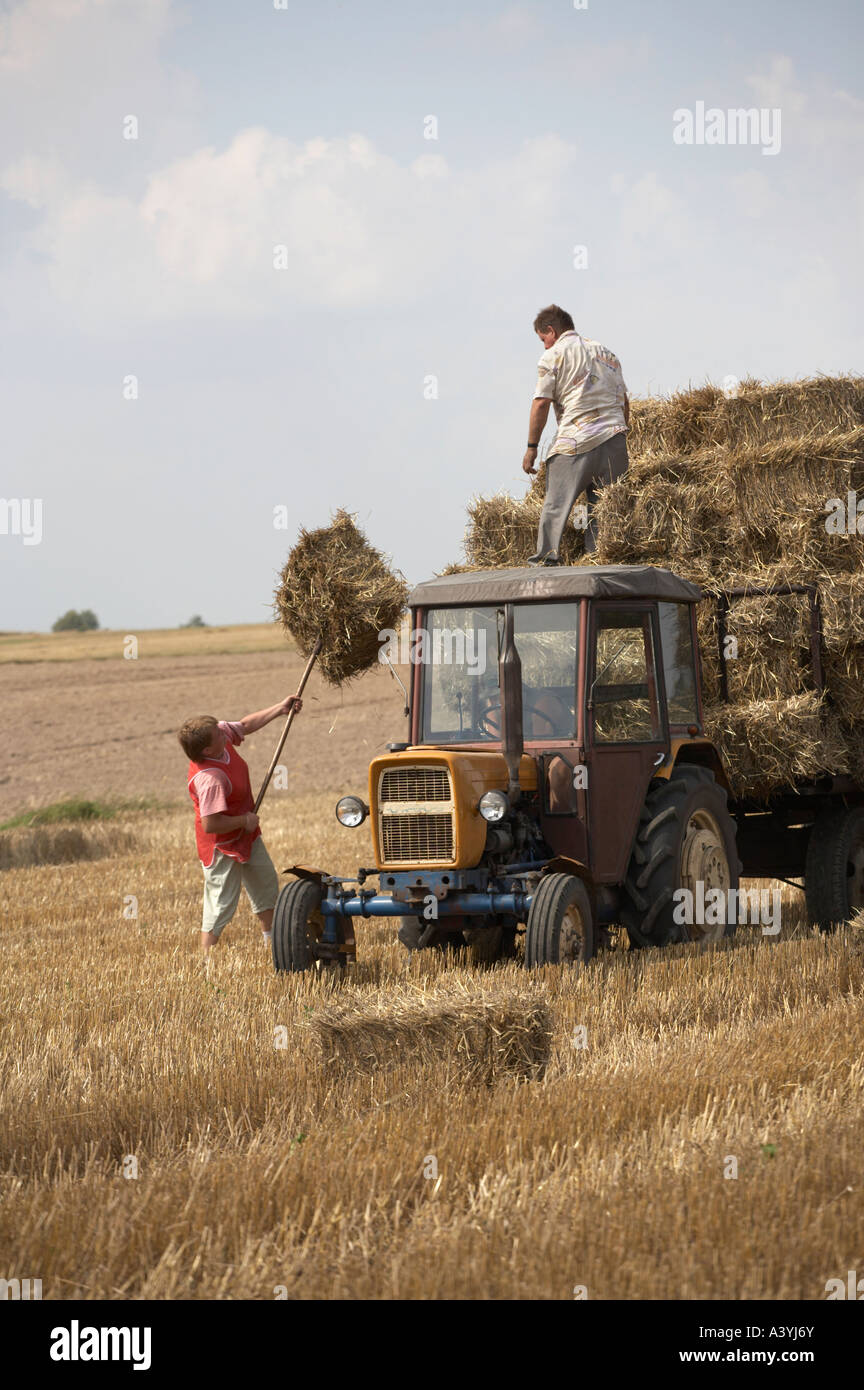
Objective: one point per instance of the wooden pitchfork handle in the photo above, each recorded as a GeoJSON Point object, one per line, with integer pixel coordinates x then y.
{"type": "Point", "coordinates": [288, 722]}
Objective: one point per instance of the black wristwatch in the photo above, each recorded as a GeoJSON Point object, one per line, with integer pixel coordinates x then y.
{"type": "Point", "coordinates": [533, 446]}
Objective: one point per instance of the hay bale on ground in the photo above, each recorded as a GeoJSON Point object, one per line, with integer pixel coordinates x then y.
{"type": "Point", "coordinates": [473, 1034]}
{"type": "Point", "coordinates": [336, 586]}
{"type": "Point", "coordinates": [768, 745]}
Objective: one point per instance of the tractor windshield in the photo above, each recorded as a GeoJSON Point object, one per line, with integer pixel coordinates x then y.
{"type": "Point", "coordinates": [461, 701]}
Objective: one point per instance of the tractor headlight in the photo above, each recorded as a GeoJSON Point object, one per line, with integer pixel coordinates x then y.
{"type": "Point", "coordinates": [493, 806]}
{"type": "Point", "coordinates": [351, 811]}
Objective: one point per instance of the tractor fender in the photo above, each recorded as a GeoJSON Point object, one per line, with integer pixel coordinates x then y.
{"type": "Point", "coordinates": [700, 751]}
{"type": "Point", "coordinates": [311, 875]}
{"type": "Point", "coordinates": [562, 864]}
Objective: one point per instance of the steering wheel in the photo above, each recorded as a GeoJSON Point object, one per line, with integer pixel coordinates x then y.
{"type": "Point", "coordinates": [528, 706]}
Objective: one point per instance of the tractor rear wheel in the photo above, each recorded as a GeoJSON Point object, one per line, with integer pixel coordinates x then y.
{"type": "Point", "coordinates": [560, 928]}
{"type": "Point", "coordinates": [298, 924]}
{"type": "Point", "coordinates": [686, 836]}
{"type": "Point", "coordinates": [834, 868]}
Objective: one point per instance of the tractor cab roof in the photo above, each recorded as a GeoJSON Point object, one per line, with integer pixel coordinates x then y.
{"type": "Point", "coordinates": [546, 584]}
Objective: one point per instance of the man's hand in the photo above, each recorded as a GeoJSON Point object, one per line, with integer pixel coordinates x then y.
{"type": "Point", "coordinates": [250, 821]}
{"type": "Point", "coordinates": [529, 462]}
{"type": "Point", "coordinates": [293, 702]}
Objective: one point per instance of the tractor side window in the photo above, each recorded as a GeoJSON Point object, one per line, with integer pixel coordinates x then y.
{"type": "Point", "coordinates": [623, 694]}
{"type": "Point", "coordinates": [679, 668]}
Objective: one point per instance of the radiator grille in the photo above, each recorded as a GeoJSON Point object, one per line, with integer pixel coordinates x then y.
{"type": "Point", "coordinates": [416, 815]}
{"type": "Point", "coordinates": [415, 784]}
{"type": "Point", "coordinates": [416, 838]}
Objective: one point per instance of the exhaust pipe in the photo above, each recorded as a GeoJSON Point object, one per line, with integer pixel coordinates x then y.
{"type": "Point", "coordinates": [510, 684]}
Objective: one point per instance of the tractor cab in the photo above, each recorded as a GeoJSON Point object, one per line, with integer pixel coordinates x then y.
{"type": "Point", "coordinates": [604, 683]}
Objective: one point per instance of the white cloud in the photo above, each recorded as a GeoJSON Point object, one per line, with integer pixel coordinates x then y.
{"type": "Point", "coordinates": [357, 225]}
{"type": "Point", "coordinates": [753, 194]}
{"type": "Point", "coordinates": [823, 118]}
{"type": "Point", "coordinates": [71, 70]}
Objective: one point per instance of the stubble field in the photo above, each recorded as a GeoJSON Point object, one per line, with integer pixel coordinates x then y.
{"type": "Point", "coordinates": [174, 1133]}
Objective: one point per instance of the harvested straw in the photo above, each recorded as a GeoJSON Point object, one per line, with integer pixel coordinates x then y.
{"type": "Point", "coordinates": [724, 511]}
{"type": "Point", "coordinates": [772, 635]}
{"type": "Point", "coordinates": [841, 595]}
{"type": "Point", "coordinates": [502, 530]}
{"type": "Point", "coordinates": [768, 745]}
{"type": "Point", "coordinates": [733, 491]}
{"type": "Point", "coordinates": [780, 495]}
{"type": "Point", "coordinates": [477, 1035]}
{"type": "Point", "coordinates": [336, 586]}
{"type": "Point", "coordinates": [844, 678]}
{"type": "Point", "coordinates": [63, 844]}
{"type": "Point", "coordinates": [705, 418]}
{"type": "Point", "coordinates": [660, 513]}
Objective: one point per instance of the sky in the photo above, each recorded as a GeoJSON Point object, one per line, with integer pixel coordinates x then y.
{"type": "Point", "coordinates": [260, 263]}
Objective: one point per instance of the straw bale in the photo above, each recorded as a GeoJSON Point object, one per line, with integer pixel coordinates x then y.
{"type": "Point", "coordinates": [768, 745]}
{"type": "Point", "coordinates": [337, 586]}
{"type": "Point", "coordinates": [757, 413]}
{"type": "Point", "coordinates": [478, 1035]}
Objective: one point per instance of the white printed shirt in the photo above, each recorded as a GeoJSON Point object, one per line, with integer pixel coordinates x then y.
{"type": "Point", "coordinates": [584, 382]}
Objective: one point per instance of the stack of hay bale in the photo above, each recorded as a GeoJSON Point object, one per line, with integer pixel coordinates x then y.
{"type": "Point", "coordinates": [734, 491]}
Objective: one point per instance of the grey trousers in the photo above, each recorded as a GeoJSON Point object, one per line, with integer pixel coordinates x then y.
{"type": "Point", "coordinates": [568, 475]}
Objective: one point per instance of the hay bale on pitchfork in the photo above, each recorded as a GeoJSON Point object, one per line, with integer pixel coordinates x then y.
{"type": "Point", "coordinates": [338, 588]}
{"type": "Point", "coordinates": [335, 597]}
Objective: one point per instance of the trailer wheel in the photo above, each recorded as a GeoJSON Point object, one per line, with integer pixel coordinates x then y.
{"type": "Point", "coordinates": [560, 929]}
{"type": "Point", "coordinates": [834, 867]}
{"type": "Point", "coordinates": [298, 922]}
{"type": "Point", "coordinates": [686, 835]}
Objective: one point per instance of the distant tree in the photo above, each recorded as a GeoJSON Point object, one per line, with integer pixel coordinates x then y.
{"type": "Point", "coordinates": [195, 621]}
{"type": "Point", "coordinates": [73, 621]}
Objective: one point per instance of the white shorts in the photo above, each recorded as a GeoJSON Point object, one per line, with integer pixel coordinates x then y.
{"type": "Point", "coordinates": [224, 879]}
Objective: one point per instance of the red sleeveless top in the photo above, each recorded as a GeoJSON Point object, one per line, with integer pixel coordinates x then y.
{"type": "Point", "coordinates": [238, 793]}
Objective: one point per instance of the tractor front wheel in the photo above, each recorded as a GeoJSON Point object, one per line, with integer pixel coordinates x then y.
{"type": "Point", "coordinates": [298, 925]}
{"type": "Point", "coordinates": [560, 928]}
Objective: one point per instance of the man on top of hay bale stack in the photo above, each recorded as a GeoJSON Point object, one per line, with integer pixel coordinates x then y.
{"type": "Point", "coordinates": [583, 380]}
